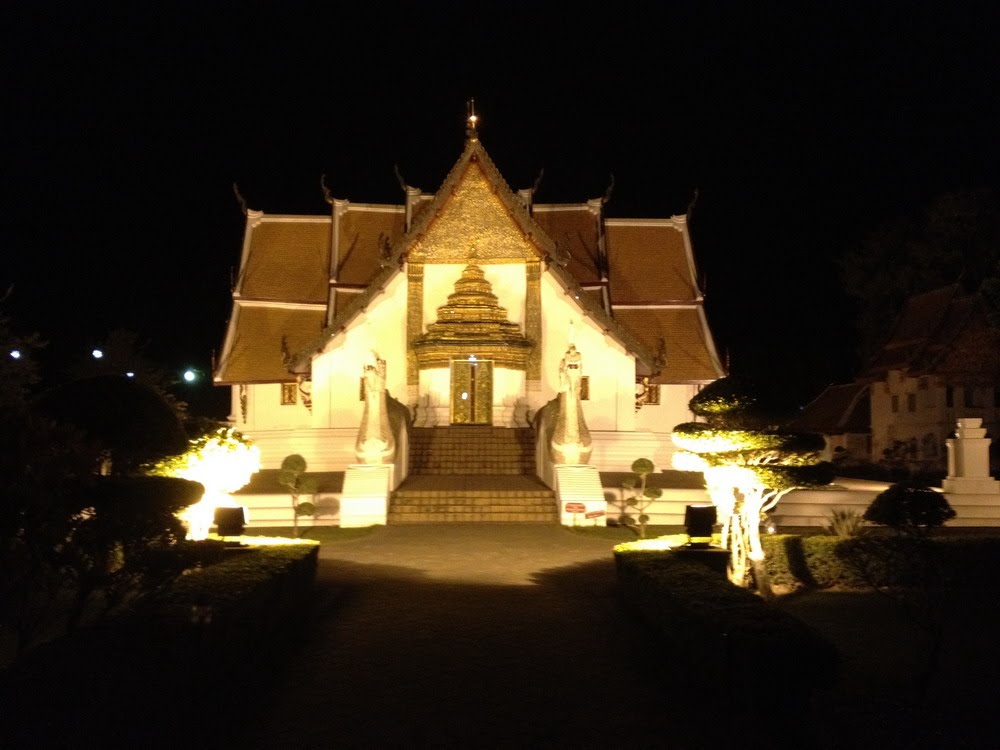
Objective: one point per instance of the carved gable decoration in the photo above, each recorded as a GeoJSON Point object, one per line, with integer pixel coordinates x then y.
{"type": "Point", "coordinates": [473, 225]}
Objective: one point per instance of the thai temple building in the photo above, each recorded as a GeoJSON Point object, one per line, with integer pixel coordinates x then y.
{"type": "Point", "coordinates": [450, 357]}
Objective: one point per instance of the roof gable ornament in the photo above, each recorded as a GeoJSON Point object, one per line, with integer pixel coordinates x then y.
{"type": "Point", "coordinates": [471, 118]}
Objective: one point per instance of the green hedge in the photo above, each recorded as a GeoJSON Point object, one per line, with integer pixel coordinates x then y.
{"type": "Point", "coordinates": [717, 629]}
{"type": "Point", "coordinates": [252, 596]}
{"type": "Point", "coordinates": [156, 678]}
{"type": "Point", "coordinates": [879, 560]}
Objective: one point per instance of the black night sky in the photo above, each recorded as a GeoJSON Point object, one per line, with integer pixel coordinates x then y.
{"type": "Point", "coordinates": [803, 126]}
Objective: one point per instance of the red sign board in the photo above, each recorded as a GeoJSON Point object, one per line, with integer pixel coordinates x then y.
{"type": "Point", "coordinates": [595, 514]}
{"type": "Point", "coordinates": [575, 508]}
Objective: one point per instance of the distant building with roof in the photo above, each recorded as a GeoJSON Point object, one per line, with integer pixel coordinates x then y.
{"type": "Point", "coordinates": [941, 363]}
{"type": "Point", "coordinates": [473, 281]}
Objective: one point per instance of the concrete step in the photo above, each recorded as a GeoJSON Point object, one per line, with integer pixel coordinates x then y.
{"type": "Point", "coordinates": [479, 470]}
{"type": "Point", "coordinates": [476, 518]}
{"type": "Point", "coordinates": [455, 501]}
{"type": "Point", "coordinates": [415, 495]}
{"type": "Point", "coordinates": [472, 450]}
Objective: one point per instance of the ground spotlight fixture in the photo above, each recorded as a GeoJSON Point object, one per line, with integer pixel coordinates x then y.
{"type": "Point", "coordinates": [231, 521]}
{"type": "Point", "coordinates": [698, 522]}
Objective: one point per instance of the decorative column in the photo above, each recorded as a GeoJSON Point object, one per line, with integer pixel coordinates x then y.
{"type": "Point", "coordinates": [969, 460]}
{"type": "Point", "coordinates": [414, 325]}
{"type": "Point", "coordinates": [533, 324]}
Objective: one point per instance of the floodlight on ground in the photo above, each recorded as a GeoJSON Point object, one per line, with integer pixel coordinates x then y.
{"type": "Point", "coordinates": [231, 521]}
{"type": "Point", "coordinates": [698, 521]}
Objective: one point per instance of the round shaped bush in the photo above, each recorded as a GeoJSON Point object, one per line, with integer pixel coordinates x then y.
{"type": "Point", "coordinates": [909, 508]}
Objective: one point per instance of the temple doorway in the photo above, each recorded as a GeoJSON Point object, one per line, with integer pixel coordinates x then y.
{"type": "Point", "coordinates": [472, 391]}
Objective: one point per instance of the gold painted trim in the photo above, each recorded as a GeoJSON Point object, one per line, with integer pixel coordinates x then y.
{"type": "Point", "coordinates": [533, 317]}
{"type": "Point", "coordinates": [414, 318]}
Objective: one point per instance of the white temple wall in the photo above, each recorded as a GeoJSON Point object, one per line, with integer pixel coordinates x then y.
{"type": "Point", "coordinates": [266, 412]}
{"type": "Point", "coordinates": [670, 412]}
{"type": "Point", "coordinates": [609, 368]}
{"type": "Point", "coordinates": [507, 384]}
{"type": "Point", "coordinates": [507, 279]}
{"type": "Point", "coordinates": [338, 369]}
{"type": "Point", "coordinates": [660, 419]}
{"type": "Point", "coordinates": [436, 383]}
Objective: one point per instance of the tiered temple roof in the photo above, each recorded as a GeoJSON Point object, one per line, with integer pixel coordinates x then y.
{"type": "Point", "coordinates": [302, 278]}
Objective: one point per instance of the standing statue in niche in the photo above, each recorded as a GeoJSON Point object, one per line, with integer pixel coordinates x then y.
{"type": "Point", "coordinates": [376, 444]}
{"type": "Point", "coordinates": [571, 442]}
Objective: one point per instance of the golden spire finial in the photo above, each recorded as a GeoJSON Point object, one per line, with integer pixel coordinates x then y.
{"type": "Point", "coordinates": [471, 119]}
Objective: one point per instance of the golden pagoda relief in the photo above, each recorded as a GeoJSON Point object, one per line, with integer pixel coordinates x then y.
{"type": "Point", "coordinates": [472, 322]}
{"type": "Point", "coordinates": [474, 212]}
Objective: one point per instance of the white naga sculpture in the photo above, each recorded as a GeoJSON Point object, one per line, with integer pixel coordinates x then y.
{"type": "Point", "coordinates": [571, 442]}
{"type": "Point", "coordinates": [375, 444]}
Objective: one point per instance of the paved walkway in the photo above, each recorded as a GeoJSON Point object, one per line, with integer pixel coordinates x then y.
{"type": "Point", "coordinates": [472, 636]}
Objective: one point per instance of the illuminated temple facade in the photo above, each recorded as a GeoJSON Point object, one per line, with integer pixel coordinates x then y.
{"type": "Point", "coordinates": [471, 296]}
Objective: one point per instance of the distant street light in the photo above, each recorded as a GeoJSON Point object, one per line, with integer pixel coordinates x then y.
{"type": "Point", "coordinates": [97, 354]}
{"type": "Point", "coordinates": [15, 353]}
{"type": "Point", "coordinates": [190, 376]}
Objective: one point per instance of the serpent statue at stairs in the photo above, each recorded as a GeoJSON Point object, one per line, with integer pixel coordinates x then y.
{"type": "Point", "coordinates": [376, 443]}
{"type": "Point", "coordinates": [571, 442]}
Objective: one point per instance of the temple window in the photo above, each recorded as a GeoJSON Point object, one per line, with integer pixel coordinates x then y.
{"type": "Point", "coordinates": [289, 393]}
{"type": "Point", "coordinates": [653, 394]}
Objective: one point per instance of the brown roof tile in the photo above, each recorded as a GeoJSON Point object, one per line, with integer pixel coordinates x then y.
{"type": "Point", "coordinates": [649, 263]}
{"type": "Point", "coordinates": [837, 410]}
{"type": "Point", "coordinates": [360, 232]}
{"type": "Point", "coordinates": [256, 349]}
{"type": "Point", "coordinates": [688, 353]}
{"type": "Point", "coordinates": [969, 354]}
{"type": "Point", "coordinates": [288, 261]}
{"type": "Point", "coordinates": [925, 334]}
{"type": "Point", "coordinates": [575, 232]}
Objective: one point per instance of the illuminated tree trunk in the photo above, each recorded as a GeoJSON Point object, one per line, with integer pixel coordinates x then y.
{"type": "Point", "coordinates": [756, 502]}
{"type": "Point", "coordinates": [724, 500]}
{"type": "Point", "coordinates": [737, 550]}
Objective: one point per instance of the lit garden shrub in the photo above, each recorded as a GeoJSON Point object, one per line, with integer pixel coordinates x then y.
{"type": "Point", "coordinates": [749, 464]}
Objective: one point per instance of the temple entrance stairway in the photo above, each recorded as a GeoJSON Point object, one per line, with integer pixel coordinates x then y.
{"type": "Point", "coordinates": [472, 474]}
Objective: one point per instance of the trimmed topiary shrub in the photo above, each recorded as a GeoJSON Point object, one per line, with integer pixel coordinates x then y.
{"type": "Point", "coordinates": [910, 508]}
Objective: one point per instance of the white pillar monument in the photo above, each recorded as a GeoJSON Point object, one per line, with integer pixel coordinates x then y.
{"type": "Point", "coordinates": [969, 460]}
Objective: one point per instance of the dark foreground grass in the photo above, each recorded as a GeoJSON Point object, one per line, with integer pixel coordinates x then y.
{"type": "Point", "coordinates": [882, 699]}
